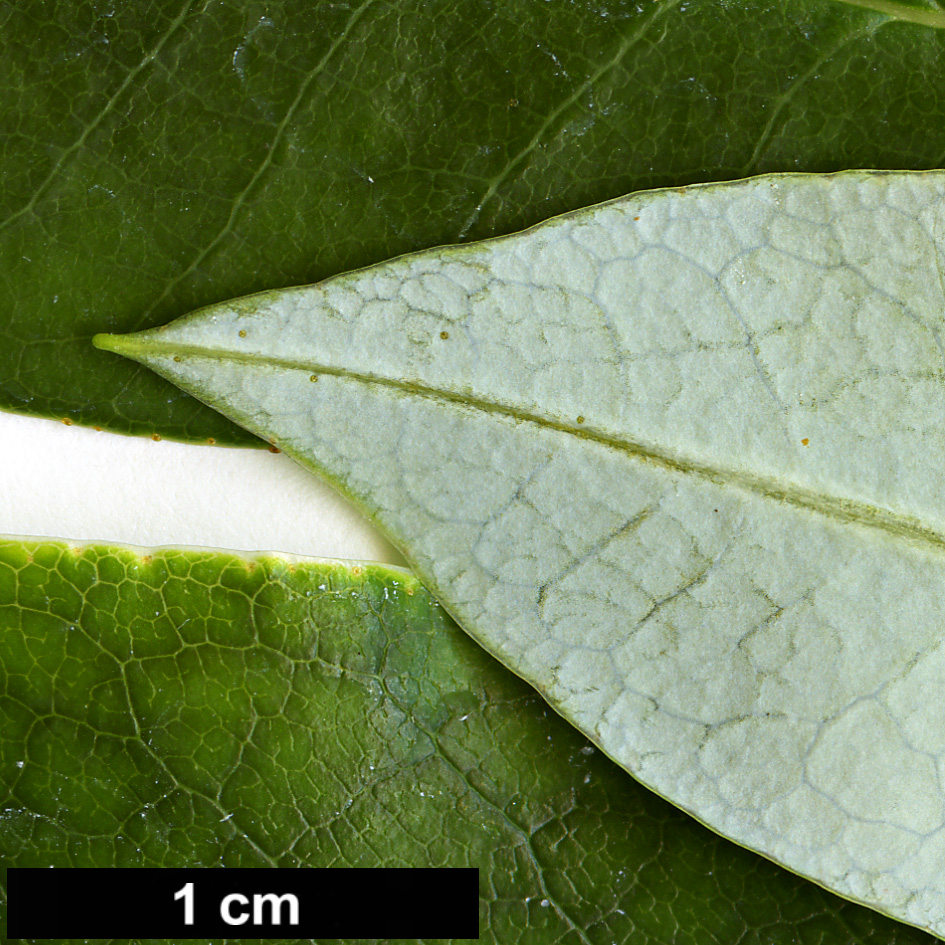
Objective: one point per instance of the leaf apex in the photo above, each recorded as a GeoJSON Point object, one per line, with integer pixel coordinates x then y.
{"type": "Point", "coordinates": [117, 344]}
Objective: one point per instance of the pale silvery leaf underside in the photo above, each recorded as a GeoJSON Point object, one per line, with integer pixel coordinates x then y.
{"type": "Point", "coordinates": [679, 461]}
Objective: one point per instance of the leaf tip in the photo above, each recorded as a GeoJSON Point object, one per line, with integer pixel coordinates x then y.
{"type": "Point", "coordinates": [128, 346]}
{"type": "Point", "coordinates": [106, 342]}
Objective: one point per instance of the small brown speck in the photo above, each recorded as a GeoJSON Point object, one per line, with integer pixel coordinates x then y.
{"type": "Point", "coordinates": [580, 419]}
{"type": "Point", "coordinates": [444, 335]}
{"type": "Point", "coordinates": [242, 333]}
{"type": "Point", "coordinates": [67, 421]}
{"type": "Point", "coordinates": [99, 429]}
{"type": "Point", "coordinates": [156, 437]}
{"type": "Point", "coordinates": [356, 571]}
{"type": "Point", "coordinates": [274, 449]}
{"type": "Point", "coordinates": [210, 440]}
{"type": "Point", "coordinates": [146, 559]}
{"type": "Point", "coordinates": [806, 441]}
{"type": "Point", "coordinates": [177, 358]}
{"type": "Point", "coordinates": [636, 218]}
{"type": "Point", "coordinates": [513, 103]}
{"type": "Point", "coordinates": [313, 378]}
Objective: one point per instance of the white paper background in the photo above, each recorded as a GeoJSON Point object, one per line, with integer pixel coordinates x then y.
{"type": "Point", "coordinates": [75, 483]}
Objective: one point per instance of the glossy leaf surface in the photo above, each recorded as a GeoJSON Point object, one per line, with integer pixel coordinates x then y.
{"type": "Point", "coordinates": [159, 156]}
{"type": "Point", "coordinates": [676, 460]}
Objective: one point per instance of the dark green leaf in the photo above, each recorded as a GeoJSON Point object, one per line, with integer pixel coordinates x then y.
{"type": "Point", "coordinates": [161, 156]}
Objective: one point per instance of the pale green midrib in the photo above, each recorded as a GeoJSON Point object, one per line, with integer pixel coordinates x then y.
{"type": "Point", "coordinates": [833, 507]}
{"type": "Point", "coordinates": [898, 11]}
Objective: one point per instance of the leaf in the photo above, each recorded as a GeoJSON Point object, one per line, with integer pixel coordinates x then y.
{"type": "Point", "coordinates": [416, 97]}
{"type": "Point", "coordinates": [684, 884]}
{"type": "Point", "coordinates": [676, 461]}
{"type": "Point", "coordinates": [164, 155]}
{"type": "Point", "coordinates": [176, 708]}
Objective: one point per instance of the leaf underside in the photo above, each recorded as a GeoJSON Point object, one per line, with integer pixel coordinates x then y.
{"type": "Point", "coordinates": [190, 708]}
{"type": "Point", "coordinates": [675, 460]}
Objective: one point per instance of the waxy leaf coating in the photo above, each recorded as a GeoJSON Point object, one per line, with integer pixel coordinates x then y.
{"type": "Point", "coordinates": [677, 460]}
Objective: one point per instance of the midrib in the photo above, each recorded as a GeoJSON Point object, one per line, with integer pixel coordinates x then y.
{"type": "Point", "coordinates": [837, 508]}
{"type": "Point", "coordinates": [901, 12]}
